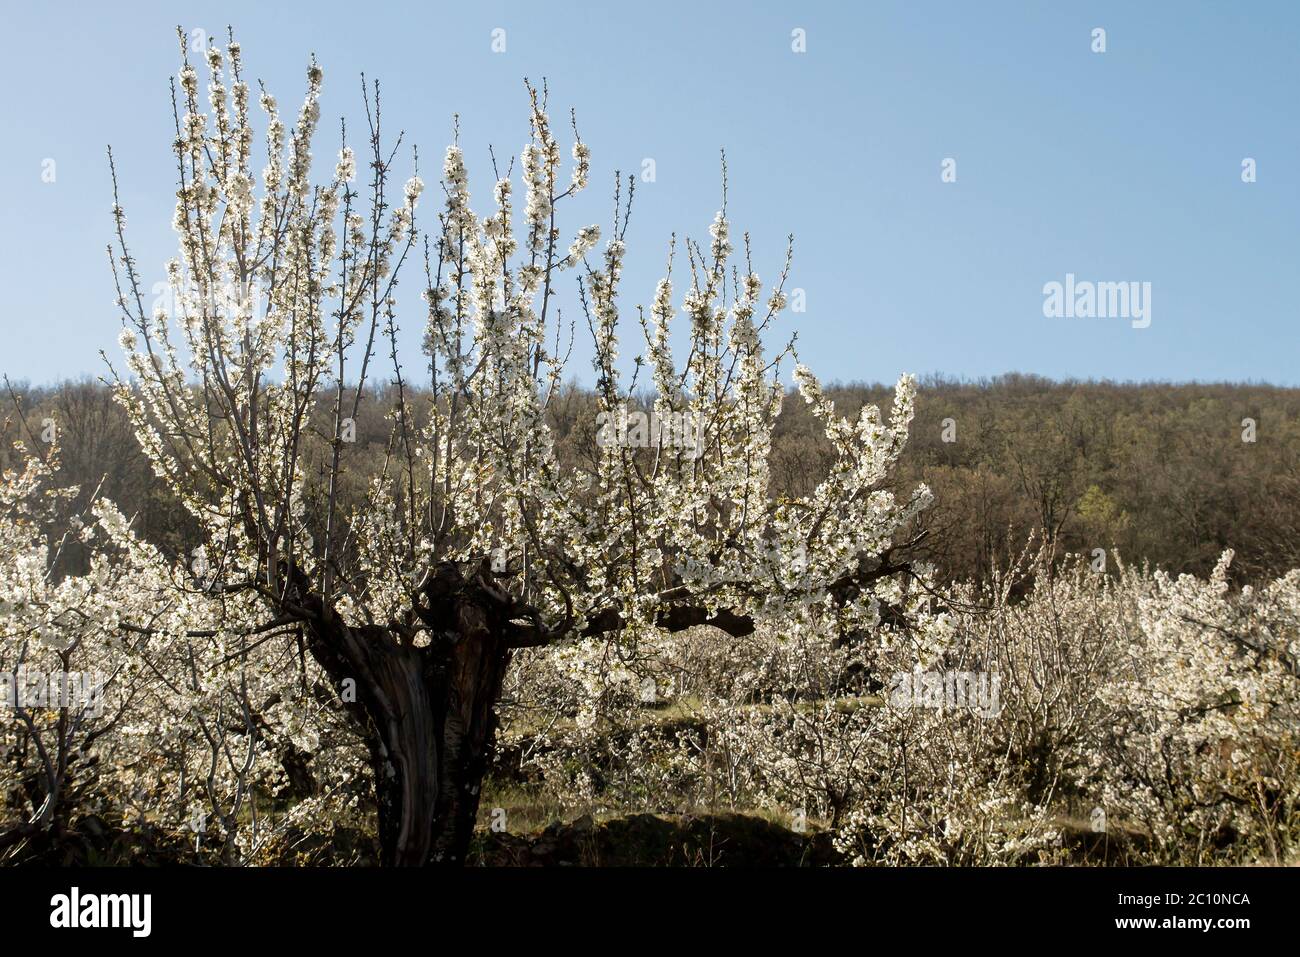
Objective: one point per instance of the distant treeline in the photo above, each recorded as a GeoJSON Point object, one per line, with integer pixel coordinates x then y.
{"type": "Point", "coordinates": [1170, 474]}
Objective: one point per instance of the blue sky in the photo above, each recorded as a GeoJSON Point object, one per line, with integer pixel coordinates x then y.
{"type": "Point", "coordinates": [1120, 166]}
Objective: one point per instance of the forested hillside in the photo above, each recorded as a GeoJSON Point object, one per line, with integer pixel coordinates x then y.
{"type": "Point", "coordinates": [1164, 473]}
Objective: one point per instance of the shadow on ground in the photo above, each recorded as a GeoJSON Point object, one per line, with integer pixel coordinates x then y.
{"type": "Point", "coordinates": [639, 840]}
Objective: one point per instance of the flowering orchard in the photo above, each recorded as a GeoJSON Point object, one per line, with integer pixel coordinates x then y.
{"type": "Point", "coordinates": [347, 643]}
{"type": "Point", "coordinates": [189, 731]}
{"type": "Point", "coordinates": [1137, 718]}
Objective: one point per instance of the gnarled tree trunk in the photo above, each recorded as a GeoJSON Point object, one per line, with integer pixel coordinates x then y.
{"type": "Point", "coordinates": [428, 714]}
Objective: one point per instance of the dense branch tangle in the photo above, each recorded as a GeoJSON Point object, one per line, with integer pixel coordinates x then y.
{"type": "Point", "coordinates": [473, 539]}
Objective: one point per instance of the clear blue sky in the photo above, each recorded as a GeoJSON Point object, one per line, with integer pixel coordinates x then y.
{"type": "Point", "coordinates": [1117, 166]}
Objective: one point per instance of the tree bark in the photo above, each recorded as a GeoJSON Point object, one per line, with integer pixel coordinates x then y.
{"type": "Point", "coordinates": [427, 713]}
